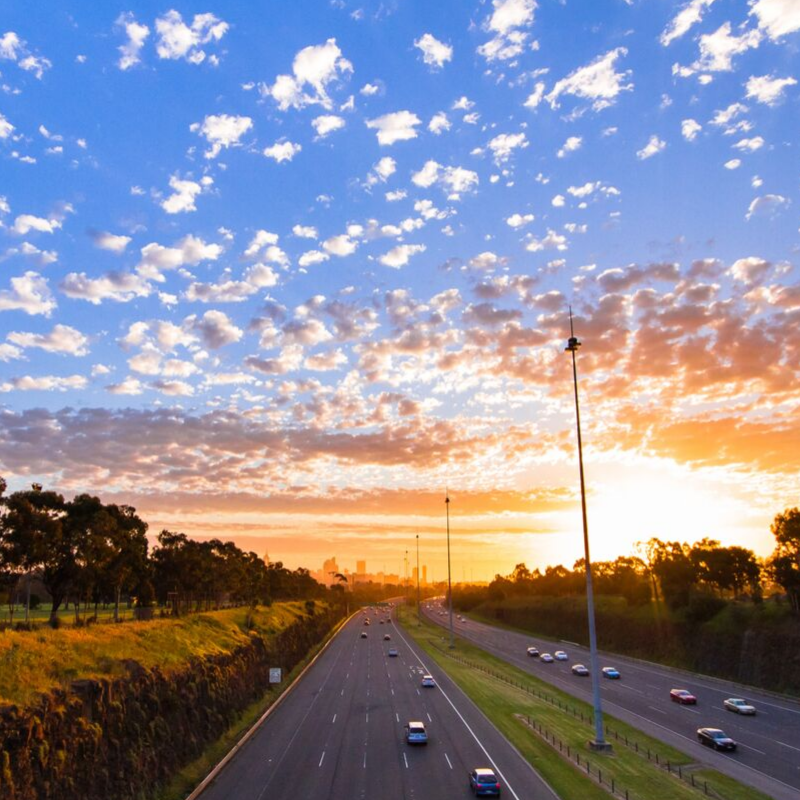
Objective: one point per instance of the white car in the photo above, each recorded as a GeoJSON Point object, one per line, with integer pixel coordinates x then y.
{"type": "Point", "coordinates": [739, 706]}
{"type": "Point", "coordinates": [546, 658]}
{"type": "Point", "coordinates": [427, 680]}
{"type": "Point", "coordinates": [561, 655]}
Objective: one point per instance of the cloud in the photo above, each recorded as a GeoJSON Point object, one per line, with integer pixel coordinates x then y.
{"type": "Point", "coordinates": [536, 96]}
{"type": "Point", "coordinates": [504, 144]}
{"type": "Point", "coordinates": [25, 223]}
{"type": "Point", "coordinates": [395, 127]}
{"type": "Point", "coordinates": [382, 171]}
{"type": "Point", "coordinates": [173, 388]}
{"type": "Point", "coordinates": [653, 146]}
{"type": "Point", "coordinates": [130, 386]}
{"type": "Point", "coordinates": [314, 68]}
{"type": "Point", "coordinates": [718, 49]}
{"type": "Point", "coordinates": [689, 15]}
{"type": "Point", "coordinates": [121, 287]}
{"type": "Point", "coordinates": [519, 220]}
{"type": "Point", "coordinates": [215, 329]}
{"type": "Point", "coordinates": [221, 131]}
{"type": "Point", "coordinates": [190, 250]}
{"type": "Point", "coordinates": [750, 145]}
{"type": "Point", "coordinates": [311, 257]}
{"type": "Point", "coordinates": [766, 205]}
{"type": "Point", "coordinates": [264, 245]}
{"type": "Point", "coordinates": [399, 256]}
{"type": "Point", "coordinates": [12, 48]}
{"type": "Point", "coordinates": [597, 81]}
{"type": "Point", "coordinates": [178, 40]}
{"type": "Point", "coordinates": [341, 245]}
{"type": "Point", "coordinates": [767, 89]}
{"type": "Point", "coordinates": [326, 124]}
{"type": "Point", "coordinates": [552, 241]}
{"type": "Point", "coordinates": [137, 35]}
{"type": "Point", "coordinates": [434, 53]}
{"type": "Point", "coordinates": [29, 293]}
{"type": "Point", "coordinates": [44, 383]}
{"type": "Point", "coordinates": [6, 128]}
{"type": "Point", "coordinates": [690, 128]}
{"type": "Point", "coordinates": [62, 339]}
{"type": "Point", "coordinates": [439, 123]}
{"type": "Point", "coordinates": [506, 20]}
{"type": "Point", "coordinates": [455, 180]}
{"type": "Point", "coordinates": [282, 151]}
{"type": "Point", "coordinates": [751, 270]}
{"type": "Point", "coordinates": [184, 194]}
{"type": "Point", "coordinates": [777, 18]}
{"type": "Point", "coordinates": [305, 231]}
{"type": "Point", "coordinates": [572, 144]}
{"type": "Point", "coordinates": [110, 241]}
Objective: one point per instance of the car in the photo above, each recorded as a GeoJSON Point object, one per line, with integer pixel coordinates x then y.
{"type": "Point", "coordinates": [561, 655]}
{"type": "Point", "coordinates": [546, 658]}
{"type": "Point", "coordinates": [580, 669]}
{"type": "Point", "coordinates": [484, 781]}
{"type": "Point", "coordinates": [611, 672]}
{"type": "Point", "coordinates": [381, 622]}
{"type": "Point", "coordinates": [428, 681]}
{"type": "Point", "coordinates": [366, 622]}
{"type": "Point", "coordinates": [388, 622]}
{"type": "Point", "coordinates": [533, 652]}
{"type": "Point", "coordinates": [386, 637]}
{"type": "Point", "coordinates": [682, 696]}
{"type": "Point", "coordinates": [363, 634]}
{"type": "Point", "coordinates": [714, 737]}
{"type": "Point", "coordinates": [416, 733]}
{"type": "Point", "coordinates": [739, 706]}
{"type": "Point", "coordinates": [392, 652]}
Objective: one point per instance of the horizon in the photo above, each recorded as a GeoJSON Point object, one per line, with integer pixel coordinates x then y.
{"type": "Point", "coordinates": [285, 276]}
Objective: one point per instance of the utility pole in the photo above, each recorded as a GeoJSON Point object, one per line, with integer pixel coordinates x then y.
{"type": "Point", "coordinates": [419, 622]}
{"type": "Point", "coordinates": [449, 581]}
{"type": "Point", "coordinates": [599, 742]}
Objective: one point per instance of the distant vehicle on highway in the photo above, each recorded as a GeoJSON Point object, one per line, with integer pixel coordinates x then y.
{"type": "Point", "coordinates": [610, 672]}
{"type": "Point", "coordinates": [714, 737]}
{"type": "Point", "coordinates": [533, 652]}
{"type": "Point", "coordinates": [428, 681]}
{"type": "Point", "coordinates": [386, 637]}
{"type": "Point", "coordinates": [484, 782]}
{"type": "Point", "coordinates": [547, 658]}
{"type": "Point", "coordinates": [561, 655]}
{"type": "Point", "coordinates": [682, 696]}
{"type": "Point", "coordinates": [739, 706]}
{"type": "Point", "coordinates": [392, 652]}
{"type": "Point", "coordinates": [363, 634]}
{"type": "Point", "coordinates": [580, 669]}
{"type": "Point", "coordinates": [416, 733]}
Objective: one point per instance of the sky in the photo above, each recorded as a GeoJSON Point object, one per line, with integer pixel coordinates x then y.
{"type": "Point", "coordinates": [288, 273]}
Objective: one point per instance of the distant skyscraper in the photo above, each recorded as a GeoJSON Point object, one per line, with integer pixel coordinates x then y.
{"type": "Point", "coordinates": [361, 567]}
{"type": "Point", "coordinates": [424, 575]}
{"type": "Point", "coordinates": [414, 575]}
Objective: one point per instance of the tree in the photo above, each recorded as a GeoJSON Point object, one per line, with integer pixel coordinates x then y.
{"type": "Point", "coordinates": [674, 569]}
{"type": "Point", "coordinates": [784, 565]}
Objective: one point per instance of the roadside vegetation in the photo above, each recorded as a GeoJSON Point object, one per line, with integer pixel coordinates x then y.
{"type": "Point", "coordinates": [517, 703]}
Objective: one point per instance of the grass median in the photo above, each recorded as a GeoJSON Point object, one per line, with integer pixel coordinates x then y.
{"type": "Point", "coordinates": [509, 697]}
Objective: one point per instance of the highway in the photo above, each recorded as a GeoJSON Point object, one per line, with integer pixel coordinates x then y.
{"type": "Point", "coordinates": [768, 755]}
{"type": "Point", "coordinates": [340, 732]}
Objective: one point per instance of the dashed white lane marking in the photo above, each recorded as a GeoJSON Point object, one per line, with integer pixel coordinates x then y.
{"type": "Point", "coordinates": [365, 759]}
{"type": "Point", "coordinates": [660, 710]}
{"type": "Point", "coordinates": [448, 761]}
{"type": "Point", "coordinates": [342, 693]}
{"type": "Point", "coordinates": [405, 759]}
{"type": "Point", "coordinates": [334, 718]}
{"type": "Point", "coordinates": [429, 717]}
{"type": "Point", "coordinates": [321, 759]}
{"type": "Point", "coordinates": [397, 716]}
{"type": "Point", "coordinates": [747, 746]}
{"type": "Point", "coordinates": [367, 717]}
{"type": "Point", "coordinates": [789, 746]}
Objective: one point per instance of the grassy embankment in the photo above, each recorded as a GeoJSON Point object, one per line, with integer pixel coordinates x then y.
{"type": "Point", "coordinates": [507, 696]}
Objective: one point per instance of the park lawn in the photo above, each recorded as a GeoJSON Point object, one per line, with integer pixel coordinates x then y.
{"type": "Point", "coordinates": [503, 703]}
{"type": "Point", "coordinates": [33, 662]}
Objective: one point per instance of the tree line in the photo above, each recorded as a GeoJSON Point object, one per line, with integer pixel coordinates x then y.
{"type": "Point", "coordinates": [679, 573]}
{"type": "Point", "coordinates": [88, 552]}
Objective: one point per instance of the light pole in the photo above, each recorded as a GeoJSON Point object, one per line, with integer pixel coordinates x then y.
{"type": "Point", "coordinates": [449, 581]}
{"type": "Point", "coordinates": [419, 622]}
{"type": "Point", "coordinates": [599, 742]}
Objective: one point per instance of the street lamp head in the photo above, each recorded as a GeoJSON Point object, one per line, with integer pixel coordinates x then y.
{"type": "Point", "coordinates": [572, 345]}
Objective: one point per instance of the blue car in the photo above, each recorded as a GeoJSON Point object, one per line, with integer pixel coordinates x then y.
{"type": "Point", "coordinates": [610, 672]}
{"type": "Point", "coordinates": [484, 782]}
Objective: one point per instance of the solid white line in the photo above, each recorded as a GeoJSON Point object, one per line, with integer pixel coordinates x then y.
{"type": "Point", "coordinates": [405, 759]}
{"type": "Point", "coordinates": [448, 761]}
{"type": "Point", "coordinates": [322, 759]}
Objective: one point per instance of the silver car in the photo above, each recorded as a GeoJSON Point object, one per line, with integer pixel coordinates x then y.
{"type": "Point", "coordinates": [739, 706]}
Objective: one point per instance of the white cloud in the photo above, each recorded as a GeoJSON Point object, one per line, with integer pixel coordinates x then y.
{"type": "Point", "coordinates": [395, 127]}
{"type": "Point", "coordinates": [434, 52]}
{"type": "Point", "coordinates": [767, 89]}
{"type": "Point", "coordinates": [653, 146]}
{"type": "Point", "coordinates": [314, 67]}
{"type": "Point", "coordinates": [305, 231]}
{"type": "Point", "coordinates": [734, 163]}
{"type": "Point", "coordinates": [766, 205]}
{"type": "Point", "coordinates": [12, 48]}
{"type": "Point", "coordinates": [572, 144]}
{"type": "Point", "coordinates": [750, 145]}
{"type": "Point", "coordinates": [455, 180]}
{"type": "Point", "coordinates": [264, 245]}
{"type": "Point", "coordinates": [25, 223]}
{"type": "Point", "coordinates": [428, 175]}
{"type": "Point", "coordinates": [221, 130]}
{"type": "Point", "coordinates": [486, 261]}
{"type": "Point", "coordinates": [506, 19]}
{"type": "Point", "coordinates": [184, 194]}
{"type": "Point", "coordinates": [393, 197]}
{"type": "Point", "coordinates": [137, 35]}
{"type": "Point", "coordinates": [10, 353]}
{"type": "Point", "coordinates": [463, 104]}
{"type": "Point", "coordinates": [6, 128]}
{"type": "Point", "coordinates": [327, 123]}
{"type": "Point", "coordinates": [121, 287]}
{"type": "Point", "coordinates": [177, 40]}
{"type": "Point", "coordinates": [690, 128]}
{"type": "Point", "coordinates": [190, 250]}
{"type": "Point", "coordinates": [311, 257]}
{"type": "Point", "coordinates": [776, 17]}
{"type": "Point", "coordinates": [718, 49]}
{"type": "Point", "coordinates": [282, 151]}
{"type": "Point", "coordinates": [132, 386]}
{"type": "Point", "coordinates": [62, 339]}
{"type": "Point", "coordinates": [173, 388]}
{"type": "Point", "coordinates": [341, 245]}
{"type": "Point", "coordinates": [558, 201]}
{"type": "Point", "coordinates": [519, 220]}
{"type": "Point", "coordinates": [215, 329]}
{"type": "Point", "coordinates": [29, 293]}
{"type": "Point", "coordinates": [110, 241]}
{"type": "Point", "coordinates": [536, 96]}
{"type": "Point", "coordinates": [399, 256]}
{"type": "Point", "coordinates": [439, 123]}
{"type": "Point", "coordinates": [503, 145]}
{"type": "Point", "coordinates": [597, 81]}
{"type": "Point", "coordinates": [553, 241]}
{"type": "Point", "coordinates": [44, 383]}
{"type": "Point", "coordinates": [688, 16]}
{"type": "Point", "coordinates": [382, 171]}
{"type": "Point", "coordinates": [369, 89]}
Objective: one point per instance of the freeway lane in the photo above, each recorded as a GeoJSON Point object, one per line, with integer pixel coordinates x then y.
{"type": "Point", "coordinates": [769, 743]}
{"type": "Point", "coordinates": [339, 733]}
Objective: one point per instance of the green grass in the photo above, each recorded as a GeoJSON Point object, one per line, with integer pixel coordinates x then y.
{"type": "Point", "coordinates": [33, 662]}
{"type": "Point", "coordinates": [504, 703]}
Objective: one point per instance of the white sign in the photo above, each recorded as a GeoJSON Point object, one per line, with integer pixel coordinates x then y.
{"type": "Point", "coordinates": [275, 675]}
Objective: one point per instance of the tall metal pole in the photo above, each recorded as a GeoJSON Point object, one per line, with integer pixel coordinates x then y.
{"type": "Point", "coordinates": [599, 743]}
{"type": "Point", "coordinates": [449, 581]}
{"type": "Point", "coordinates": [419, 622]}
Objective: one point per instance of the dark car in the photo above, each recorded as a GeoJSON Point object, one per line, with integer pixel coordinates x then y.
{"type": "Point", "coordinates": [682, 696]}
{"type": "Point", "coordinates": [580, 669]}
{"type": "Point", "coordinates": [533, 652]}
{"type": "Point", "coordinates": [714, 737]}
{"type": "Point", "coordinates": [484, 782]}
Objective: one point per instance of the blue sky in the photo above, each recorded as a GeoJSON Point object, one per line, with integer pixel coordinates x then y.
{"type": "Point", "coordinates": [300, 258]}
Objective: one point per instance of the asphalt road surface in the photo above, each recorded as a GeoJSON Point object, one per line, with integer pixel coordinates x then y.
{"type": "Point", "coordinates": [340, 732]}
{"type": "Point", "coordinates": [768, 755]}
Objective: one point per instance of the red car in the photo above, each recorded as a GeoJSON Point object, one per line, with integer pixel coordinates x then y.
{"type": "Point", "coordinates": [682, 696]}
